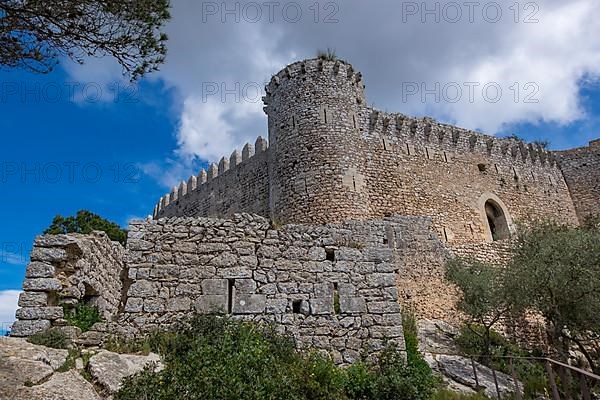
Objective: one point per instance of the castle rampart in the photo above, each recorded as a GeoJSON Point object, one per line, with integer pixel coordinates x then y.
{"type": "Point", "coordinates": [332, 158]}
{"type": "Point", "coordinates": [581, 168]}
{"type": "Point", "coordinates": [238, 183]}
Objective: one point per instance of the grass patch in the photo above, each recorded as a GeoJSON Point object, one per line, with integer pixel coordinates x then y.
{"type": "Point", "coordinates": [52, 338]}
{"type": "Point", "coordinates": [69, 363]}
{"type": "Point", "coordinates": [81, 315]}
{"type": "Point", "coordinates": [121, 345]}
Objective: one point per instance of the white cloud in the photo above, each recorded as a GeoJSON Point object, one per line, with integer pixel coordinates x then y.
{"type": "Point", "coordinates": [555, 54]}
{"type": "Point", "coordinates": [8, 306]}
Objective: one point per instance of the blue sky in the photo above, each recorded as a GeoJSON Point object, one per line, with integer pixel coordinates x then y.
{"type": "Point", "coordinates": [145, 140]}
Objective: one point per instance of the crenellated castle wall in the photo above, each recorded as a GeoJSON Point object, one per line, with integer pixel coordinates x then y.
{"type": "Point", "coordinates": [333, 158]}
{"type": "Point", "coordinates": [237, 184]}
{"type": "Point", "coordinates": [581, 168]}
{"type": "Point", "coordinates": [421, 167]}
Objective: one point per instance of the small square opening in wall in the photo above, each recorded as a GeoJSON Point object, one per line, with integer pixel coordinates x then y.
{"type": "Point", "coordinates": [330, 254]}
{"type": "Point", "coordinates": [296, 306]}
{"type": "Point", "coordinates": [481, 167]}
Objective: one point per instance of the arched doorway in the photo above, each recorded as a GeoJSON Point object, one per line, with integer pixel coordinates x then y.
{"type": "Point", "coordinates": [495, 217]}
{"type": "Point", "coordinates": [496, 220]}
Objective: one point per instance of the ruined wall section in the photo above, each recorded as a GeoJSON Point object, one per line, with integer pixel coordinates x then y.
{"type": "Point", "coordinates": [581, 168]}
{"type": "Point", "coordinates": [69, 269]}
{"type": "Point", "coordinates": [239, 183]}
{"type": "Point", "coordinates": [332, 287]}
{"type": "Point", "coordinates": [421, 167]}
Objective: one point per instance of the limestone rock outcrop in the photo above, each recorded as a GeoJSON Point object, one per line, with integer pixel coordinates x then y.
{"type": "Point", "coordinates": [32, 372]}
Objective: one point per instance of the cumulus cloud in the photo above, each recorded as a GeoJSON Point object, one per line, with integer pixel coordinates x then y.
{"type": "Point", "coordinates": [537, 54]}
{"type": "Point", "coordinates": [8, 306]}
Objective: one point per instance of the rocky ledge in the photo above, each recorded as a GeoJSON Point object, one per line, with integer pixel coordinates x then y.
{"type": "Point", "coordinates": [31, 372]}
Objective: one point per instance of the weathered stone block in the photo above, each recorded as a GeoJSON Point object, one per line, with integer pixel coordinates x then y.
{"type": "Point", "coordinates": [249, 304]}
{"type": "Point", "coordinates": [139, 245]}
{"type": "Point", "coordinates": [380, 332]}
{"type": "Point", "coordinates": [352, 305]}
{"type": "Point", "coordinates": [48, 254]}
{"type": "Point", "coordinates": [154, 305]}
{"type": "Point", "coordinates": [50, 313]}
{"type": "Point", "coordinates": [209, 303]}
{"type": "Point", "coordinates": [38, 269]}
{"type": "Point", "coordinates": [214, 286]}
{"type": "Point", "coordinates": [380, 280]}
{"type": "Point", "coordinates": [54, 240]}
{"type": "Point", "coordinates": [276, 306]}
{"type": "Point", "coordinates": [23, 328]}
{"type": "Point", "coordinates": [33, 299]}
{"type": "Point", "coordinates": [383, 307]}
{"type": "Point", "coordinates": [134, 305]}
{"type": "Point", "coordinates": [317, 254]}
{"type": "Point", "coordinates": [42, 285]}
{"type": "Point", "coordinates": [348, 254]}
{"type": "Point", "coordinates": [212, 247]}
{"type": "Point", "coordinates": [143, 289]}
{"type": "Point", "coordinates": [245, 286]}
{"type": "Point", "coordinates": [321, 306]}
{"type": "Point", "coordinates": [179, 304]}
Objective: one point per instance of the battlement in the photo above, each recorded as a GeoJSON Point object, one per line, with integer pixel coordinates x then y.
{"type": "Point", "coordinates": [342, 70]}
{"type": "Point", "coordinates": [199, 183]}
{"type": "Point", "coordinates": [428, 133]}
{"type": "Point", "coordinates": [332, 158]}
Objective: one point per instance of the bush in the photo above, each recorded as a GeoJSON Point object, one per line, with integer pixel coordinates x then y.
{"type": "Point", "coordinates": [52, 338]}
{"type": "Point", "coordinates": [85, 222]}
{"type": "Point", "coordinates": [81, 315]}
{"type": "Point", "coordinates": [219, 358]}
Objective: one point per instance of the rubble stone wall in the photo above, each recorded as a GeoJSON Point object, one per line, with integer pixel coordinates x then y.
{"type": "Point", "coordinates": [332, 287]}
{"type": "Point", "coordinates": [69, 269]}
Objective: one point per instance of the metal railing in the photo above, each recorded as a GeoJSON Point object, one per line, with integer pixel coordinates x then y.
{"type": "Point", "coordinates": [563, 381]}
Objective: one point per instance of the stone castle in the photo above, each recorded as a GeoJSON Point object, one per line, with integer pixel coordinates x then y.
{"type": "Point", "coordinates": [345, 214]}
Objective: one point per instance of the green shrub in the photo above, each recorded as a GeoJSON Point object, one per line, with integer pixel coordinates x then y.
{"type": "Point", "coordinates": [86, 222]}
{"type": "Point", "coordinates": [52, 338]}
{"type": "Point", "coordinates": [360, 384]}
{"type": "Point", "coordinates": [219, 358]}
{"type": "Point", "coordinates": [81, 315]}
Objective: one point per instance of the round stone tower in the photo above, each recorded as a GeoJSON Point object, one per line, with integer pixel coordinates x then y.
{"type": "Point", "coordinates": [316, 164]}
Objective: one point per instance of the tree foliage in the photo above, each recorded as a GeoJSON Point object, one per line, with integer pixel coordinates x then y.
{"type": "Point", "coordinates": [35, 33]}
{"type": "Point", "coordinates": [85, 222]}
{"type": "Point", "coordinates": [483, 296]}
{"type": "Point", "coordinates": [555, 270]}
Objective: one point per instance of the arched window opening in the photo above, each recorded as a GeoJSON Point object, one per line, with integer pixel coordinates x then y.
{"type": "Point", "coordinates": [496, 221]}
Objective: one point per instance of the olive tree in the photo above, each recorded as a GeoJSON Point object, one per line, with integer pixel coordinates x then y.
{"type": "Point", "coordinates": [555, 271]}
{"type": "Point", "coordinates": [483, 297]}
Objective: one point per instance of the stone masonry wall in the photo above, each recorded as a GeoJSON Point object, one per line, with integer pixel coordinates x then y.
{"type": "Point", "coordinates": [332, 287]}
{"type": "Point", "coordinates": [333, 158]}
{"type": "Point", "coordinates": [69, 269]}
{"type": "Point", "coordinates": [581, 168]}
{"type": "Point", "coordinates": [237, 184]}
